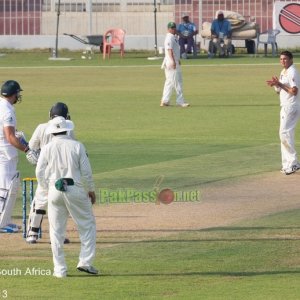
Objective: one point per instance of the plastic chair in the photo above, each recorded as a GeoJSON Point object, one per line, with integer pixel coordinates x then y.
{"type": "Point", "coordinates": [113, 37]}
{"type": "Point", "coordinates": [268, 37]}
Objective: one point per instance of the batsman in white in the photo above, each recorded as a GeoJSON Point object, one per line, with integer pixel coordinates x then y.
{"type": "Point", "coordinates": [172, 67]}
{"type": "Point", "coordinates": [39, 204]}
{"type": "Point", "coordinates": [64, 170]}
{"type": "Point", "coordinates": [9, 144]}
{"type": "Point", "coordinates": [287, 86]}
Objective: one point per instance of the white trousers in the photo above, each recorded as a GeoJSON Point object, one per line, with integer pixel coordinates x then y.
{"type": "Point", "coordinates": [75, 202]}
{"type": "Point", "coordinates": [173, 81]}
{"type": "Point", "coordinates": [289, 116]}
{"type": "Point", "coordinates": [40, 199]}
{"type": "Point", "coordinates": [8, 170]}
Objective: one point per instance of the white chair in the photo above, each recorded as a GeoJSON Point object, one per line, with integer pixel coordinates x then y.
{"type": "Point", "coordinates": [268, 37]}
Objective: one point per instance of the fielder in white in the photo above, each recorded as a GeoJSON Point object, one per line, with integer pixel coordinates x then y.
{"type": "Point", "coordinates": [172, 67]}
{"type": "Point", "coordinates": [64, 170]}
{"type": "Point", "coordinates": [39, 204]}
{"type": "Point", "coordinates": [9, 144]}
{"type": "Point", "coordinates": [287, 86]}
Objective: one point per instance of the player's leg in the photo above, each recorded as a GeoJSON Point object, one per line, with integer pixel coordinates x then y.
{"type": "Point", "coordinates": [288, 120]}
{"type": "Point", "coordinates": [80, 209]}
{"type": "Point", "coordinates": [9, 185]}
{"type": "Point", "coordinates": [168, 87]}
{"type": "Point", "coordinates": [37, 212]}
{"type": "Point", "coordinates": [177, 79]}
{"type": "Point", "coordinates": [178, 86]}
{"type": "Point", "coordinates": [58, 216]}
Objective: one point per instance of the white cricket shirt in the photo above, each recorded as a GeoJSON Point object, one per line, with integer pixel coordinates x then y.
{"type": "Point", "coordinates": [64, 157]}
{"type": "Point", "coordinates": [171, 42]}
{"type": "Point", "coordinates": [7, 119]}
{"type": "Point", "coordinates": [291, 78]}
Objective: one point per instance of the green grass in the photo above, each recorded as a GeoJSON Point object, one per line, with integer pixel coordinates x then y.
{"type": "Point", "coordinates": [230, 131]}
{"type": "Point", "coordinates": [258, 259]}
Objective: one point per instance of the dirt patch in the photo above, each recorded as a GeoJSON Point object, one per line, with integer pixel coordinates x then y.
{"type": "Point", "coordinates": [221, 204]}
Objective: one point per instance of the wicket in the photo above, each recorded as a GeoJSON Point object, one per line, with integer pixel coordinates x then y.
{"type": "Point", "coordinates": [31, 196]}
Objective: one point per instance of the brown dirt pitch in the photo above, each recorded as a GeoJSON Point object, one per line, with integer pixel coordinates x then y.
{"type": "Point", "coordinates": [221, 204]}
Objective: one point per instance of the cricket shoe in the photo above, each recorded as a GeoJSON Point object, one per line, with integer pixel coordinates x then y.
{"type": "Point", "coordinates": [183, 104]}
{"type": "Point", "coordinates": [162, 104]}
{"type": "Point", "coordinates": [32, 239]}
{"type": "Point", "coordinates": [291, 170]}
{"type": "Point", "coordinates": [60, 275]}
{"type": "Point", "coordinates": [9, 229]}
{"type": "Point", "coordinates": [14, 226]}
{"type": "Point", "coordinates": [88, 269]}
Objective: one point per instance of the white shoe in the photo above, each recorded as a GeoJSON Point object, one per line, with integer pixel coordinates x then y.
{"type": "Point", "coordinates": [88, 269]}
{"type": "Point", "coordinates": [184, 104]}
{"type": "Point", "coordinates": [60, 275]}
{"type": "Point", "coordinates": [289, 171]}
{"type": "Point", "coordinates": [32, 239]}
{"type": "Point", "coordinates": [162, 104]}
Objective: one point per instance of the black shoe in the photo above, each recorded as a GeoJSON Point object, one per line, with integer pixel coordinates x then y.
{"type": "Point", "coordinates": [88, 269]}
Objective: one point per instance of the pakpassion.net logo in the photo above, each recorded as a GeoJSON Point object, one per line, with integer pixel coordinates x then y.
{"type": "Point", "coordinates": [129, 195]}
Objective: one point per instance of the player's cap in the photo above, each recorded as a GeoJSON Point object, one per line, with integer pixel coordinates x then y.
{"type": "Point", "coordinates": [59, 124]}
{"type": "Point", "coordinates": [171, 25]}
{"type": "Point", "coordinates": [219, 12]}
{"type": "Point", "coordinates": [185, 15]}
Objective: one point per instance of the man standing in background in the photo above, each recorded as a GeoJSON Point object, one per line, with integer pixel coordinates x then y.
{"type": "Point", "coordinates": [171, 65]}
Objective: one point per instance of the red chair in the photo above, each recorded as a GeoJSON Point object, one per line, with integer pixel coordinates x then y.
{"type": "Point", "coordinates": [113, 37]}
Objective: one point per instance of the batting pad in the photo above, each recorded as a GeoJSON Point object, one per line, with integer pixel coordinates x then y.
{"type": "Point", "coordinates": [10, 201]}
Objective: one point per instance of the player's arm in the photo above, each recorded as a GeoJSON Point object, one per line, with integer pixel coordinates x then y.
{"type": "Point", "coordinates": [293, 90]}
{"type": "Point", "coordinates": [9, 132]}
{"type": "Point", "coordinates": [171, 54]}
{"type": "Point", "coordinates": [86, 173]}
{"type": "Point", "coordinates": [40, 171]}
{"type": "Point", "coordinates": [35, 141]}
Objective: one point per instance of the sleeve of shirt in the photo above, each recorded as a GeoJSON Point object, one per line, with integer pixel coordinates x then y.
{"type": "Point", "coordinates": [293, 79]}
{"type": "Point", "coordinates": [168, 43]}
{"type": "Point", "coordinates": [40, 171]}
{"type": "Point", "coordinates": [34, 142]}
{"type": "Point", "coordinates": [9, 120]}
{"type": "Point", "coordinates": [85, 169]}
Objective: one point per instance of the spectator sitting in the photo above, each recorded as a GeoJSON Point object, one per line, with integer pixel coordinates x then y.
{"type": "Point", "coordinates": [186, 31]}
{"type": "Point", "coordinates": [221, 36]}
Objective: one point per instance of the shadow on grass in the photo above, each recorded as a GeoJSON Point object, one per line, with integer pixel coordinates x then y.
{"type": "Point", "coordinates": [230, 274]}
